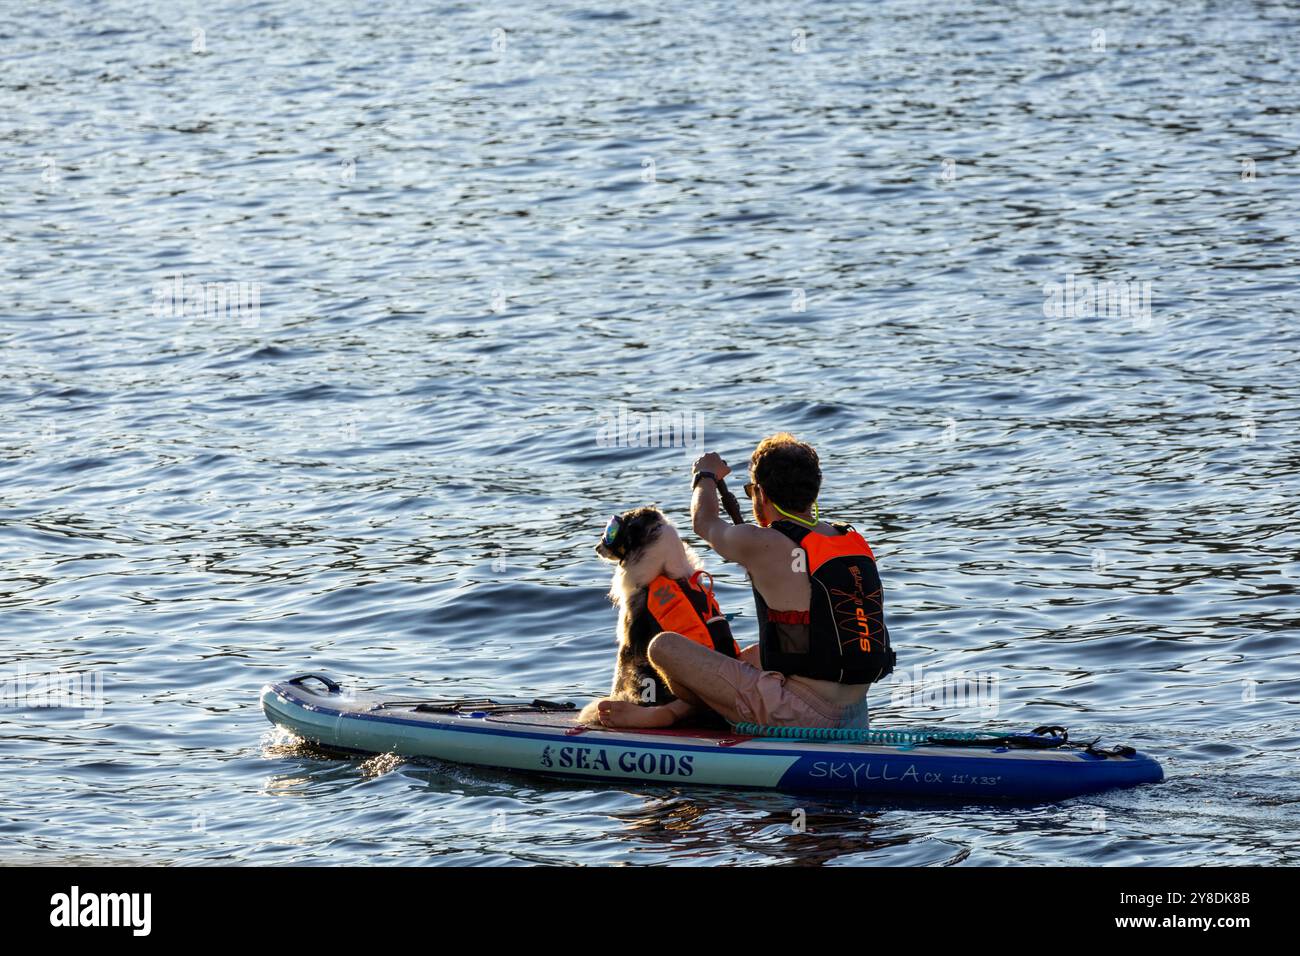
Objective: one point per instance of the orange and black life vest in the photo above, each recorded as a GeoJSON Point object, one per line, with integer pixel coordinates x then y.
{"type": "Point", "coordinates": [842, 637]}
{"type": "Point", "coordinates": [686, 607]}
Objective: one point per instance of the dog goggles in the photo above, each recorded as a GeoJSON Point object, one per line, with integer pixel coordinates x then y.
{"type": "Point", "coordinates": [611, 531]}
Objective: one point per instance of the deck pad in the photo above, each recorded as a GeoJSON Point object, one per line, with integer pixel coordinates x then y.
{"type": "Point", "coordinates": [566, 720]}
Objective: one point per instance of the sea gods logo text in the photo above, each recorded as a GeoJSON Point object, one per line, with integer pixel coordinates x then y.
{"type": "Point", "coordinates": [627, 761]}
{"type": "Point", "coordinates": [103, 909]}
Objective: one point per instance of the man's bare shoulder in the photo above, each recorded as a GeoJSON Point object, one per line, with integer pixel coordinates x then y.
{"type": "Point", "coordinates": [748, 543]}
{"type": "Point", "coordinates": [765, 545]}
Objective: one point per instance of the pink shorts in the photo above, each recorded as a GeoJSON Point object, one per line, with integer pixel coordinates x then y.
{"type": "Point", "coordinates": [743, 693]}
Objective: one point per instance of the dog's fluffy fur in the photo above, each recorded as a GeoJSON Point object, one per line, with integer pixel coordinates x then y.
{"type": "Point", "coordinates": [653, 548]}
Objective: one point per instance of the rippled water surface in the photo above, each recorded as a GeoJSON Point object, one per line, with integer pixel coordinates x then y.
{"type": "Point", "coordinates": [476, 232]}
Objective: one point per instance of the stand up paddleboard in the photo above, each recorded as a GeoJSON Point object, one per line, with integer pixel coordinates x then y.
{"type": "Point", "coordinates": [544, 737]}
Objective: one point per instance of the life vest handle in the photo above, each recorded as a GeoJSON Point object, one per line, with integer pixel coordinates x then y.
{"type": "Point", "coordinates": [695, 579]}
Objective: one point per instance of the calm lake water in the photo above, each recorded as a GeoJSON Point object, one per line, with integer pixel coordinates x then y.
{"type": "Point", "coordinates": [427, 253]}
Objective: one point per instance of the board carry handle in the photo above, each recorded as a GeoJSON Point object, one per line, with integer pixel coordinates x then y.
{"type": "Point", "coordinates": [332, 687]}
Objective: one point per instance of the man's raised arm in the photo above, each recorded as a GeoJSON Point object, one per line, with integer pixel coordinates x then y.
{"type": "Point", "coordinates": [734, 542]}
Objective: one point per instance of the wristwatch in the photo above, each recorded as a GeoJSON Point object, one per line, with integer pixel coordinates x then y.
{"type": "Point", "coordinates": [703, 474]}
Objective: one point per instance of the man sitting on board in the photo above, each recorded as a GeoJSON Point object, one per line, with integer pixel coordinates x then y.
{"type": "Point", "coordinates": [822, 635]}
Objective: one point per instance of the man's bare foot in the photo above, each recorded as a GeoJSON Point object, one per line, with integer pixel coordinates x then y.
{"type": "Point", "coordinates": [624, 713]}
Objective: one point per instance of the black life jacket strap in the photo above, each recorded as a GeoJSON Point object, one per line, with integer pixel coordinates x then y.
{"type": "Point", "coordinates": [795, 532]}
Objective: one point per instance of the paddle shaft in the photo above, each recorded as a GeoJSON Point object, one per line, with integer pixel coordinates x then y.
{"type": "Point", "coordinates": [729, 502]}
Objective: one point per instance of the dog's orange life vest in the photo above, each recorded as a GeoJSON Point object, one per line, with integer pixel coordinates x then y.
{"type": "Point", "coordinates": [686, 607]}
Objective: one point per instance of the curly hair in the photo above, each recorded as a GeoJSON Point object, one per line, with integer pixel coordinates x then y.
{"type": "Point", "coordinates": [788, 471]}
